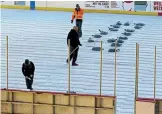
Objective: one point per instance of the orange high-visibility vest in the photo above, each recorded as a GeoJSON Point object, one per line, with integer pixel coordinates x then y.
{"type": "Point", "coordinates": [78, 14]}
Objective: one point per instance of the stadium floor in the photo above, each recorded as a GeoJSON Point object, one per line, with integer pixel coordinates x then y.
{"type": "Point", "coordinates": [41, 37]}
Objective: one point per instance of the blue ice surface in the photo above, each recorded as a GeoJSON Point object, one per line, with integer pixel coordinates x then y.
{"type": "Point", "coordinates": [41, 37]}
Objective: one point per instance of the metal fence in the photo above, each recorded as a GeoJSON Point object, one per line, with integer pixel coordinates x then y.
{"type": "Point", "coordinates": [12, 80]}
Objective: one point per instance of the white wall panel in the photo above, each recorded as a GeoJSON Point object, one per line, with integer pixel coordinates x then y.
{"type": "Point", "coordinates": [7, 3]}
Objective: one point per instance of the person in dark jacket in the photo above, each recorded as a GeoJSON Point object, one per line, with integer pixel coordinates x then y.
{"type": "Point", "coordinates": [74, 45]}
{"type": "Point", "coordinates": [28, 69]}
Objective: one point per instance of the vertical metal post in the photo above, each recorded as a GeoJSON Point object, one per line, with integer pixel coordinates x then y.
{"type": "Point", "coordinates": [115, 70]}
{"type": "Point", "coordinates": [100, 73]}
{"type": "Point", "coordinates": [137, 70]}
{"type": "Point", "coordinates": [7, 62]}
{"type": "Point", "coordinates": [69, 69]}
{"type": "Point", "coordinates": [115, 77]}
{"type": "Point", "coordinates": [155, 75]}
{"type": "Point", "coordinates": [69, 66]}
{"type": "Point", "coordinates": [101, 69]}
{"type": "Point", "coordinates": [136, 76]}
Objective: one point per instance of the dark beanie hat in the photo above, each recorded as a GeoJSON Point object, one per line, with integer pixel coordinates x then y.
{"type": "Point", "coordinates": [26, 61]}
{"type": "Point", "coordinates": [77, 5]}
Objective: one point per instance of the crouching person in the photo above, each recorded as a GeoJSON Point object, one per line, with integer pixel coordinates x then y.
{"type": "Point", "coordinates": [28, 69]}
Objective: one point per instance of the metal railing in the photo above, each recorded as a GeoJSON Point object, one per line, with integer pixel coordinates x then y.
{"type": "Point", "coordinates": [101, 66]}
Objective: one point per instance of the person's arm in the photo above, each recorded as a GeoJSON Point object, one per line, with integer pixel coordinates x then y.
{"type": "Point", "coordinates": [23, 69]}
{"type": "Point", "coordinates": [77, 41]}
{"type": "Point", "coordinates": [73, 16]}
{"type": "Point", "coordinates": [33, 68]}
{"type": "Point", "coordinates": [82, 11]}
{"type": "Point", "coordinates": [68, 37]}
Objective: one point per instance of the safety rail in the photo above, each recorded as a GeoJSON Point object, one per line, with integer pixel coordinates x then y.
{"type": "Point", "coordinates": [99, 104]}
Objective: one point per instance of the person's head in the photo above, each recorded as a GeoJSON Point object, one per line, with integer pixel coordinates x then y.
{"type": "Point", "coordinates": [27, 62]}
{"type": "Point", "coordinates": [75, 28]}
{"type": "Point", "coordinates": [77, 6]}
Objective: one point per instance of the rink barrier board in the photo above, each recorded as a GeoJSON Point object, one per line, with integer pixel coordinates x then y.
{"type": "Point", "coordinates": [148, 106]}
{"type": "Point", "coordinates": [98, 11]}
{"type": "Point", "coordinates": [85, 10]}
{"type": "Point", "coordinates": [15, 7]}
{"type": "Point", "coordinates": [39, 102]}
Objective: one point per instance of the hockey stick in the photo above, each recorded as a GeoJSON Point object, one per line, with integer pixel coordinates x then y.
{"type": "Point", "coordinates": [27, 78]}
{"type": "Point", "coordinates": [74, 50]}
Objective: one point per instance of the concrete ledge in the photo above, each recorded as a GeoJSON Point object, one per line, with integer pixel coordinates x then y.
{"type": "Point", "coordinates": [85, 10]}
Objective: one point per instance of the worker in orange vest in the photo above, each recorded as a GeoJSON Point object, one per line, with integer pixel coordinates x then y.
{"type": "Point", "coordinates": [78, 15]}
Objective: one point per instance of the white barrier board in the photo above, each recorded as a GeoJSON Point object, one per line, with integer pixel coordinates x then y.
{"type": "Point", "coordinates": [7, 2]}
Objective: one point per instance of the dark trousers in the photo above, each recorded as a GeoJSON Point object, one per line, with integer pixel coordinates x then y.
{"type": "Point", "coordinates": [79, 25]}
{"type": "Point", "coordinates": [74, 55]}
{"type": "Point", "coordinates": [29, 82]}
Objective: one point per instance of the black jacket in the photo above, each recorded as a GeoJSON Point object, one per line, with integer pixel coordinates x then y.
{"type": "Point", "coordinates": [28, 70]}
{"type": "Point", "coordinates": [74, 38]}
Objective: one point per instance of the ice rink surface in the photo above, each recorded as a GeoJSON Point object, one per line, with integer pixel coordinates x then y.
{"type": "Point", "coordinates": [41, 37]}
